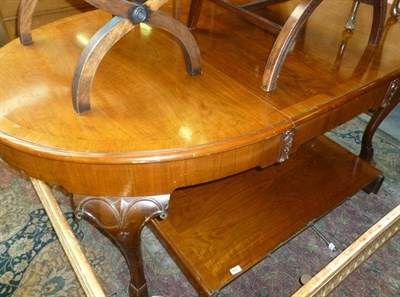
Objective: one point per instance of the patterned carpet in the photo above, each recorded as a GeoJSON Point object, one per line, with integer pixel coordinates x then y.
{"type": "Point", "coordinates": [32, 262]}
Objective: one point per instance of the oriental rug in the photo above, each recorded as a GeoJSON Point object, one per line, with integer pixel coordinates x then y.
{"type": "Point", "coordinates": [32, 262]}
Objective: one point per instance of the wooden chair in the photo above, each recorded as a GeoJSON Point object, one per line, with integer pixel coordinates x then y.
{"type": "Point", "coordinates": [287, 33]}
{"type": "Point", "coordinates": [127, 14]}
{"type": "Point", "coordinates": [378, 17]}
{"type": "Point", "coordinates": [351, 22]}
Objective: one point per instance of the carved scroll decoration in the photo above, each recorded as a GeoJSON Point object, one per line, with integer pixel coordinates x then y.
{"type": "Point", "coordinates": [391, 92]}
{"type": "Point", "coordinates": [123, 219]}
{"type": "Point", "coordinates": [287, 142]}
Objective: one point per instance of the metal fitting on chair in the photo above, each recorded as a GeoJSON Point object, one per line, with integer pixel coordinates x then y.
{"type": "Point", "coordinates": [139, 14]}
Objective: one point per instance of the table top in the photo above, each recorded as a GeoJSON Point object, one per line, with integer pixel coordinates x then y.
{"type": "Point", "coordinates": [147, 110]}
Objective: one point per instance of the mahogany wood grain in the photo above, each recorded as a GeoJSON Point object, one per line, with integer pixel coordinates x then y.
{"type": "Point", "coordinates": [152, 121]}
{"type": "Point", "coordinates": [212, 228]}
{"type": "Point", "coordinates": [162, 122]}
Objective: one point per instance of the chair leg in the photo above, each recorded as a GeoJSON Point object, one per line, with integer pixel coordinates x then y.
{"type": "Point", "coordinates": [24, 22]}
{"type": "Point", "coordinates": [284, 41]}
{"type": "Point", "coordinates": [91, 57]}
{"type": "Point", "coordinates": [351, 21]}
{"type": "Point", "coordinates": [194, 13]}
{"type": "Point", "coordinates": [378, 21]}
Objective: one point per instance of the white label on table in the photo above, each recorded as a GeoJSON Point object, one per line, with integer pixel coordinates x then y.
{"type": "Point", "coordinates": [235, 269]}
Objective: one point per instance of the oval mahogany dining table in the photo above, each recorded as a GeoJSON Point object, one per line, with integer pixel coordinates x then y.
{"type": "Point", "coordinates": [152, 128]}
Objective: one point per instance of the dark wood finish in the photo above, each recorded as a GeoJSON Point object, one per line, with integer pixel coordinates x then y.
{"type": "Point", "coordinates": [91, 57]}
{"type": "Point", "coordinates": [153, 128]}
{"type": "Point", "coordinates": [25, 15]}
{"type": "Point", "coordinates": [284, 41]}
{"type": "Point", "coordinates": [378, 21]}
{"type": "Point", "coordinates": [123, 218]}
{"type": "Point", "coordinates": [391, 100]}
{"type": "Point", "coordinates": [214, 227]}
{"type": "Point", "coordinates": [247, 11]}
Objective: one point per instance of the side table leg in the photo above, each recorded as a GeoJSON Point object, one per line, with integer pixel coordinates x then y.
{"type": "Point", "coordinates": [123, 219]}
{"type": "Point", "coordinates": [392, 98]}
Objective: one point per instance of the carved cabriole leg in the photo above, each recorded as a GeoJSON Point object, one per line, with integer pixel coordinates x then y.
{"type": "Point", "coordinates": [284, 41]}
{"type": "Point", "coordinates": [392, 98]}
{"type": "Point", "coordinates": [24, 22]}
{"type": "Point", "coordinates": [123, 219]}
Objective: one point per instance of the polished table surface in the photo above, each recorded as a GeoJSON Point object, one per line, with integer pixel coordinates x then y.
{"type": "Point", "coordinates": [147, 111]}
{"type": "Point", "coordinates": [153, 128]}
